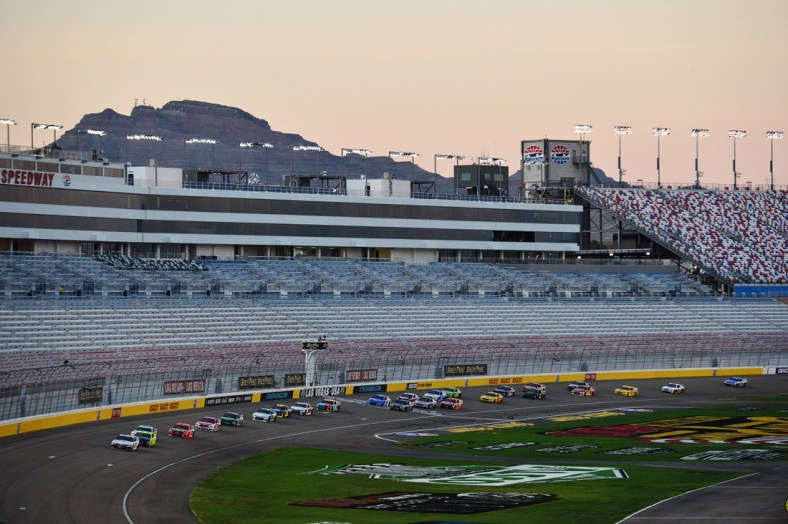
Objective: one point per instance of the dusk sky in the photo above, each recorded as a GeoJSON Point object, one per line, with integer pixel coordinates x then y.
{"type": "Point", "coordinates": [457, 77]}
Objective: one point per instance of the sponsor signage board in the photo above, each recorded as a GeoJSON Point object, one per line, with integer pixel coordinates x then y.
{"type": "Point", "coordinates": [295, 379]}
{"type": "Point", "coordinates": [276, 395]}
{"type": "Point", "coordinates": [327, 391]}
{"type": "Point", "coordinates": [90, 395]}
{"type": "Point", "coordinates": [361, 375]}
{"type": "Point", "coordinates": [180, 387]}
{"type": "Point", "coordinates": [228, 399]}
{"type": "Point", "coordinates": [464, 370]}
{"type": "Point", "coordinates": [370, 388]}
{"type": "Point", "coordinates": [256, 382]}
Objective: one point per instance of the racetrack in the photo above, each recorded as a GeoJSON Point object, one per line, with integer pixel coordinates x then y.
{"type": "Point", "coordinates": [71, 475]}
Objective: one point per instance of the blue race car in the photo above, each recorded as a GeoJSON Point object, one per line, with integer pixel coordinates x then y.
{"type": "Point", "coordinates": [736, 382]}
{"type": "Point", "coordinates": [379, 400]}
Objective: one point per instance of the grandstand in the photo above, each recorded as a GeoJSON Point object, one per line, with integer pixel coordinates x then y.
{"type": "Point", "coordinates": [118, 288]}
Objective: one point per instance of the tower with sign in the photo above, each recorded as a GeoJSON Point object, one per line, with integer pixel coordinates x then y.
{"type": "Point", "coordinates": [548, 163]}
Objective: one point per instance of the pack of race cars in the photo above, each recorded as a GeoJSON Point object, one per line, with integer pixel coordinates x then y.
{"type": "Point", "coordinates": [445, 398]}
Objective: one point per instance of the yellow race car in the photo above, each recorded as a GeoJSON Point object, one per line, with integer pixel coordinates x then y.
{"type": "Point", "coordinates": [492, 397]}
{"type": "Point", "coordinates": [626, 391]}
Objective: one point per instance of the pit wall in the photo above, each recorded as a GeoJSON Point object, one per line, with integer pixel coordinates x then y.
{"type": "Point", "coordinates": [30, 424]}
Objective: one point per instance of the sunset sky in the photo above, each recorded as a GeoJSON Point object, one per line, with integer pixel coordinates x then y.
{"type": "Point", "coordinates": [458, 77]}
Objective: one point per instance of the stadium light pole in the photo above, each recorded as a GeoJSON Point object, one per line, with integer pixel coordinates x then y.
{"type": "Point", "coordinates": [149, 138]}
{"type": "Point", "coordinates": [658, 132]}
{"type": "Point", "coordinates": [261, 145]}
{"type": "Point", "coordinates": [435, 162]}
{"type": "Point", "coordinates": [697, 133]}
{"type": "Point", "coordinates": [734, 134]}
{"type": "Point", "coordinates": [412, 156]}
{"type": "Point", "coordinates": [95, 132]}
{"type": "Point", "coordinates": [202, 141]}
{"type": "Point", "coordinates": [53, 127]}
{"type": "Point", "coordinates": [583, 130]}
{"type": "Point", "coordinates": [8, 123]}
{"type": "Point", "coordinates": [355, 151]}
{"type": "Point", "coordinates": [772, 136]}
{"type": "Point", "coordinates": [306, 148]}
{"type": "Point", "coordinates": [489, 160]}
{"type": "Point", "coordinates": [621, 130]}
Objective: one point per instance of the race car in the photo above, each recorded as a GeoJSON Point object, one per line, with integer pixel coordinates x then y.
{"type": "Point", "coordinates": [265, 414]}
{"type": "Point", "coordinates": [506, 391]}
{"type": "Point", "coordinates": [401, 405]}
{"type": "Point", "coordinates": [534, 393]}
{"type": "Point", "coordinates": [535, 385]}
{"type": "Point", "coordinates": [182, 430]}
{"type": "Point", "coordinates": [451, 403]}
{"type": "Point", "coordinates": [736, 382]}
{"type": "Point", "coordinates": [147, 435]}
{"type": "Point", "coordinates": [127, 442]}
{"type": "Point", "coordinates": [492, 397]}
{"type": "Point", "coordinates": [282, 410]}
{"type": "Point", "coordinates": [328, 404]}
{"type": "Point", "coordinates": [626, 391]}
{"type": "Point", "coordinates": [577, 384]}
{"type": "Point", "coordinates": [452, 392]}
{"type": "Point", "coordinates": [231, 418]}
{"type": "Point", "coordinates": [410, 397]}
{"type": "Point", "coordinates": [584, 391]}
{"type": "Point", "coordinates": [302, 408]}
{"type": "Point", "coordinates": [435, 394]}
{"type": "Point", "coordinates": [426, 403]}
{"type": "Point", "coordinates": [381, 401]}
{"type": "Point", "coordinates": [208, 424]}
{"type": "Point", "coordinates": [672, 387]}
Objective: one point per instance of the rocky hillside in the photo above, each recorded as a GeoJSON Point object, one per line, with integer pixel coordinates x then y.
{"type": "Point", "coordinates": [178, 121]}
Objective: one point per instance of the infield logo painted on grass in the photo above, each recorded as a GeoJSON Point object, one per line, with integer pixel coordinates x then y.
{"type": "Point", "coordinates": [700, 429]}
{"type": "Point", "coordinates": [491, 476]}
{"type": "Point", "coordinates": [456, 503]}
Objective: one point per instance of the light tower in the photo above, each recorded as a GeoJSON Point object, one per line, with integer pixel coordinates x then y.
{"type": "Point", "coordinates": [772, 136]}
{"type": "Point", "coordinates": [697, 133]}
{"type": "Point", "coordinates": [734, 134]}
{"type": "Point", "coordinates": [658, 132]}
{"type": "Point", "coordinates": [621, 130]}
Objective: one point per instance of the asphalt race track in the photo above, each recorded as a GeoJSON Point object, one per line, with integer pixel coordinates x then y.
{"type": "Point", "coordinates": [71, 475]}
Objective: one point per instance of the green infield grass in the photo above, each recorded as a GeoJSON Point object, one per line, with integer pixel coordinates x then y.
{"type": "Point", "coordinates": [264, 488]}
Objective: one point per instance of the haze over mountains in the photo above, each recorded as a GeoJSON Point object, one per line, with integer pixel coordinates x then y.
{"type": "Point", "coordinates": [178, 121]}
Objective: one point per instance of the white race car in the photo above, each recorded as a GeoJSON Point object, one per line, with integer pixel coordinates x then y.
{"type": "Point", "coordinates": [127, 442]}
{"type": "Point", "coordinates": [672, 387]}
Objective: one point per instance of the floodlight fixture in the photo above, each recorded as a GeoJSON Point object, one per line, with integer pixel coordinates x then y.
{"type": "Point", "coordinates": [583, 129]}
{"type": "Point", "coordinates": [403, 153]}
{"type": "Point", "coordinates": [46, 126]}
{"type": "Point", "coordinates": [7, 121]}
{"type": "Point", "coordinates": [153, 138]}
{"type": "Point", "coordinates": [622, 130]}
{"type": "Point", "coordinates": [491, 160]}
{"type": "Point", "coordinates": [265, 145]}
{"type": "Point", "coordinates": [700, 132]}
{"type": "Point", "coordinates": [307, 148]}
{"type": "Point", "coordinates": [449, 157]}
{"type": "Point", "coordinates": [356, 151]}
{"type": "Point", "coordinates": [772, 136]}
{"type": "Point", "coordinates": [201, 141]}
{"type": "Point", "coordinates": [737, 133]}
{"type": "Point", "coordinates": [660, 131]}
